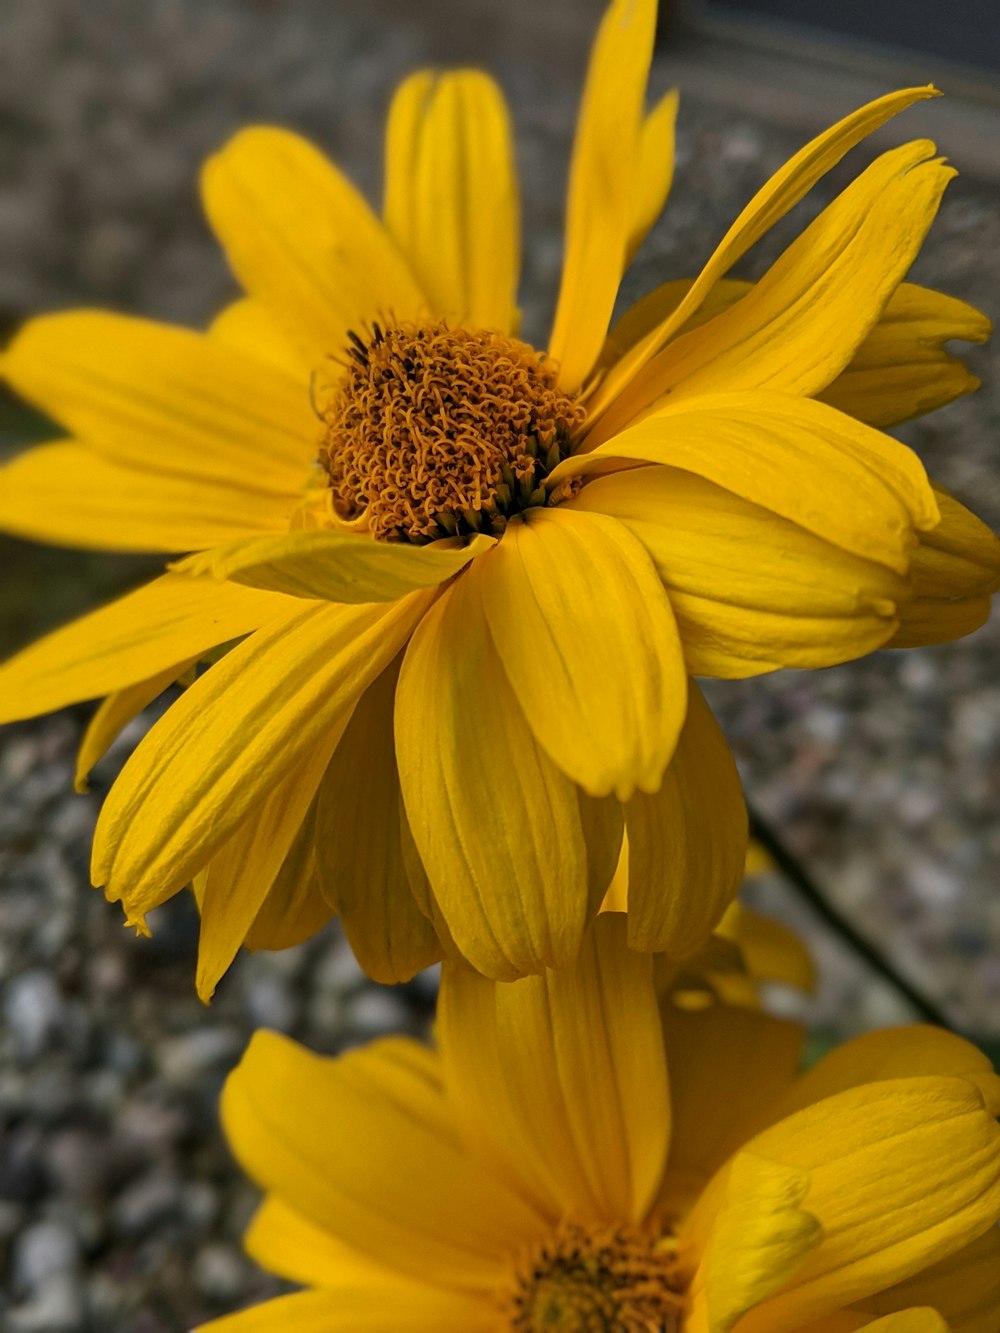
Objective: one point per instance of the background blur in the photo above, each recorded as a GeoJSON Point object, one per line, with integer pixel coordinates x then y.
{"type": "Point", "coordinates": [119, 1209]}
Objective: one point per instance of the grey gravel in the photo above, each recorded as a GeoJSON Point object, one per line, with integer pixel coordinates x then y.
{"type": "Point", "coordinates": [120, 1210]}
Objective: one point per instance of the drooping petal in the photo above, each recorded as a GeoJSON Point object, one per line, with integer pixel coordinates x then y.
{"type": "Point", "coordinates": [929, 620]}
{"type": "Point", "coordinates": [903, 1173]}
{"type": "Point", "coordinates": [843, 481]}
{"type": "Point", "coordinates": [686, 843]}
{"type": "Point", "coordinates": [560, 1078]}
{"type": "Point", "coordinates": [144, 394]}
{"type": "Point", "coordinates": [335, 566]}
{"type": "Point", "coordinates": [496, 824]}
{"type": "Point", "coordinates": [799, 602]}
{"type": "Point", "coordinates": [360, 838]}
{"type": "Point", "coordinates": [134, 638]}
{"type": "Point", "coordinates": [232, 737]}
{"type": "Point", "coordinates": [234, 885]}
{"type": "Point", "coordinates": [115, 713]}
{"type": "Point", "coordinates": [246, 325]}
{"type": "Point", "coordinates": [363, 1147]}
{"type": "Point", "coordinates": [761, 1236]}
{"type": "Point", "coordinates": [603, 823]}
{"type": "Point", "coordinates": [799, 326]}
{"type": "Point", "coordinates": [303, 242]}
{"type": "Point", "coordinates": [955, 569]}
{"type": "Point", "coordinates": [588, 642]}
{"type": "Point", "coordinates": [451, 196]}
{"type": "Point", "coordinates": [781, 193]}
{"type": "Point", "coordinates": [70, 495]}
{"type": "Point", "coordinates": [655, 172]}
{"type": "Point", "coordinates": [958, 558]}
{"type": "Point", "coordinates": [602, 186]}
{"type": "Point", "coordinates": [902, 370]}
{"type": "Point", "coordinates": [294, 908]}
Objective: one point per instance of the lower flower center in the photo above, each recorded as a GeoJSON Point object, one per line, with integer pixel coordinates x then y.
{"type": "Point", "coordinates": [434, 431]}
{"type": "Point", "coordinates": [620, 1280]}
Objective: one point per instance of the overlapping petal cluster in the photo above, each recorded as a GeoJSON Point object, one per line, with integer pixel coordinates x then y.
{"type": "Point", "coordinates": [581, 1147]}
{"type": "Point", "coordinates": [446, 739]}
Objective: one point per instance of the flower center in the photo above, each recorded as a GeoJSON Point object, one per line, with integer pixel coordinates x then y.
{"type": "Point", "coordinates": [621, 1280]}
{"type": "Point", "coordinates": [434, 431]}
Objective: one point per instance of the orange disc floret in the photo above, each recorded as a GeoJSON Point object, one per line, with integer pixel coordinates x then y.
{"type": "Point", "coordinates": [579, 1280]}
{"type": "Point", "coordinates": [434, 431]}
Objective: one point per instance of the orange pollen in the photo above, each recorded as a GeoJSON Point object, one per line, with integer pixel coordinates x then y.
{"type": "Point", "coordinates": [433, 431]}
{"type": "Point", "coordinates": [578, 1281]}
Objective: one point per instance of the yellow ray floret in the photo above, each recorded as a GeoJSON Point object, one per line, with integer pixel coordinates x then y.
{"type": "Point", "coordinates": [436, 595]}
{"type": "Point", "coordinates": [581, 1151]}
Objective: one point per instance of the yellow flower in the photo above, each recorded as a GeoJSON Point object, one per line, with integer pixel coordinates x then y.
{"type": "Point", "coordinates": [581, 1153]}
{"type": "Point", "coordinates": [470, 581]}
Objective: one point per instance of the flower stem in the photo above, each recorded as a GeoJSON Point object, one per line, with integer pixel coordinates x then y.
{"type": "Point", "coordinates": [807, 888]}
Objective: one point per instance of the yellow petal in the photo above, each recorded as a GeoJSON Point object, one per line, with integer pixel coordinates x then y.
{"type": "Point", "coordinates": [603, 824]}
{"type": "Point", "coordinates": [693, 832]}
{"type": "Point", "coordinates": [955, 569]}
{"type": "Point", "coordinates": [653, 308]}
{"type": "Point", "coordinates": [335, 566]}
{"type": "Point", "coordinates": [363, 1147]}
{"type": "Point", "coordinates": [965, 1287]}
{"type": "Point", "coordinates": [588, 641]}
{"type": "Point", "coordinates": [938, 620]}
{"type": "Point", "coordinates": [236, 882]}
{"type": "Point", "coordinates": [893, 1053]}
{"type": "Point", "coordinates": [420, 885]}
{"type": "Point", "coordinates": [727, 1065]}
{"type": "Point", "coordinates": [903, 1173]}
{"type": "Point", "coordinates": [358, 1294]}
{"type": "Point", "coordinates": [843, 481]}
{"type": "Point", "coordinates": [115, 713]}
{"type": "Point", "coordinates": [232, 737]}
{"type": "Point", "coordinates": [358, 832]}
{"type": "Point", "coordinates": [560, 1079]}
{"type": "Point", "coordinates": [771, 951]}
{"type": "Point", "coordinates": [353, 1305]}
{"type": "Point", "coordinates": [760, 1237]}
{"type": "Point", "coordinates": [164, 399]}
{"type": "Point", "coordinates": [602, 186]}
{"type": "Point", "coordinates": [924, 1320]}
{"type": "Point", "coordinates": [655, 173]}
{"type": "Point", "coordinates": [958, 558]}
{"type": "Point", "coordinates": [799, 326]}
{"type": "Point", "coordinates": [70, 495]}
{"type": "Point", "coordinates": [134, 638]}
{"type": "Point", "coordinates": [781, 193]}
{"type": "Point", "coordinates": [902, 370]}
{"type": "Point", "coordinates": [302, 241]}
{"type": "Point", "coordinates": [799, 602]}
{"type": "Point", "coordinates": [496, 824]}
{"type": "Point", "coordinates": [294, 908]}
{"type": "Point", "coordinates": [451, 198]}
{"type": "Point", "coordinates": [246, 325]}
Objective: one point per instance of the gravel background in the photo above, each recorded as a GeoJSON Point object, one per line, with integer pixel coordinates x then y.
{"type": "Point", "coordinates": [119, 1209]}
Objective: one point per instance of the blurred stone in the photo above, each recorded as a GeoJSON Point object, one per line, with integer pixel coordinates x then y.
{"type": "Point", "coordinates": [34, 1010]}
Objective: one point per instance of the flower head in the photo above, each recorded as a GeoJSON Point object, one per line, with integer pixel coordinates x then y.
{"type": "Point", "coordinates": [581, 1152]}
{"type": "Point", "coordinates": [447, 590]}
